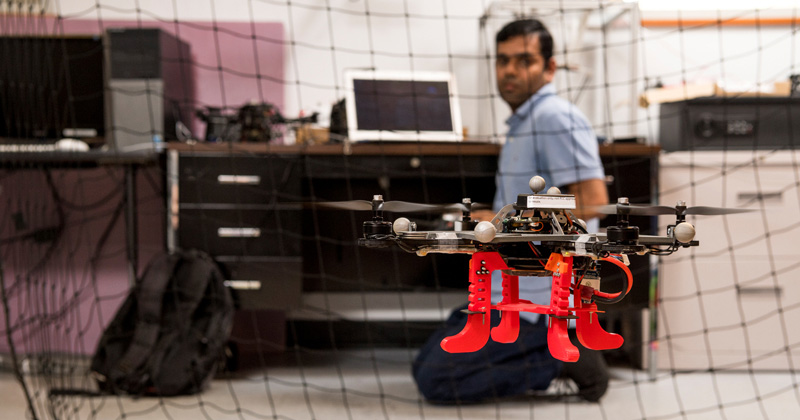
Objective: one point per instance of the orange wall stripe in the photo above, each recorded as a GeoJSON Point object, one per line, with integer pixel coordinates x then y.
{"type": "Point", "coordinates": [663, 23]}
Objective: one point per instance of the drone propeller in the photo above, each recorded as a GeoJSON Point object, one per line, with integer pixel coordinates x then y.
{"type": "Point", "coordinates": [713, 211]}
{"type": "Point", "coordinates": [635, 209]}
{"type": "Point", "coordinates": [356, 205]}
{"type": "Point", "coordinates": [643, 210]}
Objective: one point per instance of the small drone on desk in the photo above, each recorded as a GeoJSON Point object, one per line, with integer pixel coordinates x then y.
{"type": "Point", "coordinates": [536, 236]}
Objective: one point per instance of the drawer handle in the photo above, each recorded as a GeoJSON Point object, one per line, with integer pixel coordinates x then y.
{"type": "Point", "coordinates": [243, 284]}
{"type": "Point", "coordinates": [238, 232]}
{"type": "Point", "coordinates": [776, 291]}
{"type": "Point", "coordinates": [752, 197]}
{"type": "Point", "coordinates": [239, 179]}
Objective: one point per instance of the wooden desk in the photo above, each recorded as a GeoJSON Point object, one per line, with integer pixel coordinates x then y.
{"type": "Point", "coordinates": [389, 148]}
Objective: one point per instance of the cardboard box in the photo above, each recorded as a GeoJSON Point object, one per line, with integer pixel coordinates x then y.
{"type": "Point", "coordinates": [307, 134]}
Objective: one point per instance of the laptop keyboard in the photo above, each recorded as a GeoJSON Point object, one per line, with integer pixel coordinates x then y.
{"type": "Point", "coordinates": [27, 148]}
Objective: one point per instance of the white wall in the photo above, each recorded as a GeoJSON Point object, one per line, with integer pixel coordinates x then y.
{"type": "Point", "coordinates": [447, 35]}
{"type": "Point", "coordinates": [742, 58]}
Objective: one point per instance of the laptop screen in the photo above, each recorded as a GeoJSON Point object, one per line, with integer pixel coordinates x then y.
{"type": "Point", "coordinates": [402, 106]}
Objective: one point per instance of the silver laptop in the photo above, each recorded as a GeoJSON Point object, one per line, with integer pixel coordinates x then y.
{"type": "Point", "coordinates": [402, 106]}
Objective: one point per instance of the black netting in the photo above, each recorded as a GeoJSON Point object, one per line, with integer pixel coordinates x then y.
{"type": "Point", "coordinates": [217, 124]}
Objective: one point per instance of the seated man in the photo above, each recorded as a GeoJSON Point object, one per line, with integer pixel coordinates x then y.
{"type": "Point", "coordinates": [549, 137]}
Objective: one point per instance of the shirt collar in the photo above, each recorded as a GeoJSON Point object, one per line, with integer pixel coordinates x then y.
{"type": "Point", "coordinates": [526, 108]}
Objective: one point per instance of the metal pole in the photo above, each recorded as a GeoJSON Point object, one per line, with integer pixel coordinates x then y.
{"type": "Point", "coordinates": [131, 233]}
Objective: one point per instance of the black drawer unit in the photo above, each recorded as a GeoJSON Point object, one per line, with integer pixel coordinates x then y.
{"type": "Point", "coordinates": [338, 264]}
{"type": "Point", "coordinates": [402, 166]}
{"type": "Point", "coordinates": [241, 210]}
{"type": "Point", "coordinates": [231, 179]}
{"type": "Point", "coordinates": [241, 232]}
{"type": "Point", "coordinates": [278, 280]}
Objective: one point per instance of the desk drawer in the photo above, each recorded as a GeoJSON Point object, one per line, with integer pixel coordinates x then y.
{"type": "Point", "coordinates": [239, 180]}
{"type": "Point", "coordinates": [265, 282]}
{"type": "Point", "coordinates": [241, 232]}
{"type": "Point", "coordinates": [359, 167]}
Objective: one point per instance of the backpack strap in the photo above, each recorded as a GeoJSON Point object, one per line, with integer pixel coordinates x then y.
{"type": "Point", "coordinates": [149, 295]}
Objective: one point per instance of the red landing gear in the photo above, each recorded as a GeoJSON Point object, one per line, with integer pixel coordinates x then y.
{"type": "Point", "coordinates": [478, 328]}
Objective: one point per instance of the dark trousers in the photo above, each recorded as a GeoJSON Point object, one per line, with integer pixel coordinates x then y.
{"type": "Point", "coordinates": [497, 370]}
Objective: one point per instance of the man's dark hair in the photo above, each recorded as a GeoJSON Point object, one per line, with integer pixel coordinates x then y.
{"type": "Point", "coordinates": [528, 27]}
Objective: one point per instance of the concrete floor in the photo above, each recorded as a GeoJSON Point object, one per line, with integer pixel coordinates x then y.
{"type": "Point", "coordinates": [377, 385]}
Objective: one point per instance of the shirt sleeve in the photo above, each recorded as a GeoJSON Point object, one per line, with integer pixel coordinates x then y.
{"type": "Point", "coordinates": [569, 146]}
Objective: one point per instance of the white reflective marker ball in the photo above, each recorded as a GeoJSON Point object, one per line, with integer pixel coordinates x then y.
{"type": "Point", "coordinates": [537, 184]}
{"type": "Point", "coordinates": [684, 232]}
{"type": "Point", "coordinates": [401, 225]}
{"type": "Point", "coordinates": [485, 231]}
{"type": "Point", "coordinates": [554, 190]}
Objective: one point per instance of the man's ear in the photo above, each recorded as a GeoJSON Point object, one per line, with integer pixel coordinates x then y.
{"type": "Point", "coordinates": [550, 69]}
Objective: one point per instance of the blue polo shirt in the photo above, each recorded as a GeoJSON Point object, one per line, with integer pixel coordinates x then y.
{"type": "Point", "coordinates": [550, 137]}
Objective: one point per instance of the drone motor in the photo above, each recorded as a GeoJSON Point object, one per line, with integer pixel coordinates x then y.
{"type": "Point", "coordinates": [623, 233]}
{"type": "Point", "coordinates": [467, 223]}
{"type": "Point", "coordinates": [377, 227]}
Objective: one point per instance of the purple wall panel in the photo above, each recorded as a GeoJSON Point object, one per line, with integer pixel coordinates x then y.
{"type": "Point", "coordinates": [64, 289]}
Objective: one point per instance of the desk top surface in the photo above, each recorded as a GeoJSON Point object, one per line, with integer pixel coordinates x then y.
{"type": "Point", "coordinates": [100, 158]}
{"type": "Point", "coordinates": [68, 159]}
{"type": "Point", "coordinates": [390, 148]}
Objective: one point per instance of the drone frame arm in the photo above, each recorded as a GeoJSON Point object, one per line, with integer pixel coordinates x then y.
{"type": "Point", "coordinates": [497, 220]}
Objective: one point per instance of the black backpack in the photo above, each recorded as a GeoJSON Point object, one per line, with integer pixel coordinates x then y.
{"type": "Point", "coordinates": [170, 332]}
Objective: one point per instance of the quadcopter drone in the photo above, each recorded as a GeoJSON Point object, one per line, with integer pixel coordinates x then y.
{"type": "Point", "coordinates": [538, 235]}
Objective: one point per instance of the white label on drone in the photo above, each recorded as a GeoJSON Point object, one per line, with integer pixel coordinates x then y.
{"type": "Point", "coordinates": [551, 202]}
